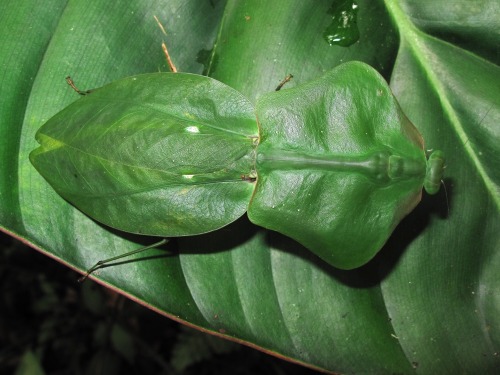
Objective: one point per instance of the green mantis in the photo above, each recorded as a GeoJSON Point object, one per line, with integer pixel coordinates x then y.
{"type": "Point", "coordinates": [333, 163]}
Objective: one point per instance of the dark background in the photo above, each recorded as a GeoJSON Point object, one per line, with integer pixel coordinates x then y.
{"type": "Point", "coordinates": [50, 323]}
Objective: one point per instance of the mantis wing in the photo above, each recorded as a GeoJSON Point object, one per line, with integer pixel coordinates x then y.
{"type": "Point", "coordinates": [159, 154]}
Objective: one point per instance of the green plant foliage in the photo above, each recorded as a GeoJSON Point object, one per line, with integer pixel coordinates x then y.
{"type": "Point", "coordinates": [427, 303]}
{"type": "Point", "coordinates": [50, 324]}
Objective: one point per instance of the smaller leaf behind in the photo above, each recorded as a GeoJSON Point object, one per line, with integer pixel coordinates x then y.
{"type": "Point", "coordinates": [158, 154]}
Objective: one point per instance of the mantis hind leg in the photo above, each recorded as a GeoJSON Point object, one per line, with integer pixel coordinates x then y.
{"type": "Point", "coordinates": [102, 263]}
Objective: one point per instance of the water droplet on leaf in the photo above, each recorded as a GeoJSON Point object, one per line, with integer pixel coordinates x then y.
{"type": "Point", "coordinates": [343, 30]}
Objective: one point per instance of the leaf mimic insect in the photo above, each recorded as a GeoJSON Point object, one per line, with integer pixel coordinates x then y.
{"type": "Point", "coordinates": [333, 163]}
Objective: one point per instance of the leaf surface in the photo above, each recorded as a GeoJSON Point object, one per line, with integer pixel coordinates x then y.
{"type": "Point", "coordinates": [428, 303]}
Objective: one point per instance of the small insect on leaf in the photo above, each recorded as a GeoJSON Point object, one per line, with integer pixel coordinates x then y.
{"type": "Point", "coordinates": [333, 163]}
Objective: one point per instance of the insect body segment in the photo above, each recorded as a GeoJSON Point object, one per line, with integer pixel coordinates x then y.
{"type": "Point", "coordinates": [434, 173]}
{"type": "Point", "coordinates": [157, 154]}
{"type": "Point", "coordinates": [380, 167]}
{"type": "Point", "coordinates": [333, 164]}
{"type": "Point", "coordinates": [339, 164]}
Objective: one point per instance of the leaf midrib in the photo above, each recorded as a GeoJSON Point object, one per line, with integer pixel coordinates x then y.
{"type": "Point", "coordinates": [414, 38]}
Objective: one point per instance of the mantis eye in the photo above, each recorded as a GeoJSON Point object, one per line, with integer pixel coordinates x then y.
{"type": "Point", "coordinates": [434, 172]}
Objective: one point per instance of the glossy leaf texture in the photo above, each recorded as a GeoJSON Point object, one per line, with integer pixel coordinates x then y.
{"type": "Point", "coordinates": [428, 303]}
{"type": "Point", "coordinates": [339, 165]}
{"type": "Point", "coordinates": [168, 150]}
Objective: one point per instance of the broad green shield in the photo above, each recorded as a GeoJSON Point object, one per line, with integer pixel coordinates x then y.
{"type": "Point", "coordinates": [339, 164]}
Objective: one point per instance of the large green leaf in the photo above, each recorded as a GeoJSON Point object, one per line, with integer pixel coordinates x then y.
{"type": "Point", "coordinates": [428, 302]}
